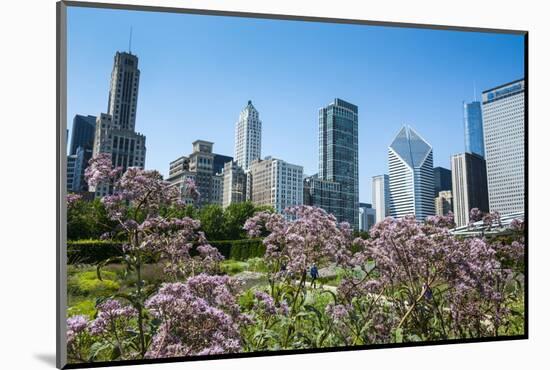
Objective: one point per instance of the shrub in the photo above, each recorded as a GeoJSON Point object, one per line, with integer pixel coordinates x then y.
{"type": "Point", "coordinates": [92, 251]}
{"type": "Point", "coordinates": [240, 250]}
{"type": "Point", "coordinates": [233, 267]}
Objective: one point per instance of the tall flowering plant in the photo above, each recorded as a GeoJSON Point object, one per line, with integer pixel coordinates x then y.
{"type": "Point", "coordinates": [137, 198]}
{"type": "Point", "coordinates": [295, 242]}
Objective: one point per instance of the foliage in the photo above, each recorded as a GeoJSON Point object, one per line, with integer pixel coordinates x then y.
{"type": "Point", "coordinates": [92, 251]}
{"type": "Point", "coordinates": [408, 281]}
{"type": "Point", "coordinates": [87, 219]}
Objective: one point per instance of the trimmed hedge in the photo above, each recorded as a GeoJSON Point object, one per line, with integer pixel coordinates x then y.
{"type": "Point", "coordinates": [240, 250]}
{"type": "Point", "coordinates": [94, 251]}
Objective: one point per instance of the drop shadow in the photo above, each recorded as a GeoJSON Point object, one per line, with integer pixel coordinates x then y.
{"type": "Point", "coordinates": [47, 358]}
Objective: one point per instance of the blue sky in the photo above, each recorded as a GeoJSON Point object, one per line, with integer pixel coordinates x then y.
{"type": "Point", "coordinates": [198, 72]}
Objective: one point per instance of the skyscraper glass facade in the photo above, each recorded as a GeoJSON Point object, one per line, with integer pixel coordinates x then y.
{"type": "Point", "coordinates": [338, 154]}
{"type": "Point", "coordinates": [82, 133]}
{"type": "Point", "coordinates": [473, 129]}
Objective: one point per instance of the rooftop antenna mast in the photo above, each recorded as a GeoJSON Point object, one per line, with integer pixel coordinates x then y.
{"type": "Point", "coordinates": [130, 41]}
{"type": "Point", "coordinates": [475, 92]}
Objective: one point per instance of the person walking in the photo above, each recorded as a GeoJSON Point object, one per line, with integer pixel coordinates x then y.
{"type": "Point", "coordinates": [314, 273]}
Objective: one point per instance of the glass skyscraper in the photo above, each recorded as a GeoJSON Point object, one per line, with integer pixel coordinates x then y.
{"type": "Point", "coordinates": [473, 129]}
{"type": "Point", "coordinates": [82, 132]}
{"type": "Point", "coordinates": [338, 154]}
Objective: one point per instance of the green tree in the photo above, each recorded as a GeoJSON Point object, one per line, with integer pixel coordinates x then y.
{"type": "Point", "coordinates": [235, 217]}
{"type": "Point", "coordinates": [213, 223]}
{"type": "Point", "coordinates": [87, 220]}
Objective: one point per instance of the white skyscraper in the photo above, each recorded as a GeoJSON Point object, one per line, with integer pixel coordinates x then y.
{"type": "Point", "coordinates": [411, 175]}
{"type": "Point", "coordinates": [248, 137]}
{"type": "Point", "coordinates": [276, 183]}
{"type": "Point", "coordinates": [504, 134]}
{"type": "Point", "coordinates": [381, 196]}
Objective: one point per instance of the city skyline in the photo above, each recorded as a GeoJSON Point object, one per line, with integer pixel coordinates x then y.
{"type": "Point", "coordinates": [181, 110]}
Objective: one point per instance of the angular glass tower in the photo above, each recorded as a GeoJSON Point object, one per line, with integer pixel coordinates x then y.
{"type": "Point", "coordinates": [411, 175]}
{"type": "Point", "coordinates": [473, 129]}
{"type": "Point", "coordinates": [338, 158]}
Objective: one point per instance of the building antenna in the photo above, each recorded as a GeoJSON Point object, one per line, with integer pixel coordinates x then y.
{"type": "Point", "coordinates": [475, 92]}
{"type": "Point", "coordinates": [130, 41]}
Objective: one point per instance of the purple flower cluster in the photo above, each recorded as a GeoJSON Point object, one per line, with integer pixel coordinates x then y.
{"type": "Point", "coordinates": [198, 317]}
{"type": "Point", "coordinates": [72, 198]}
{"type": "Point", "coordinates": [112, 316]}
{"type": "Point", "coordinates": [308, 235]}
{"type": "Point", "coordinates": [266, 305]}
{"type": "Point", "coordinates": [76, 325]}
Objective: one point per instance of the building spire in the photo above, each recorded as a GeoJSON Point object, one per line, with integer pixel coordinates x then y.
{"type": "Point", "coordinates": [475, 92]}
{"type": "Point", "coordinates": [130, 41]}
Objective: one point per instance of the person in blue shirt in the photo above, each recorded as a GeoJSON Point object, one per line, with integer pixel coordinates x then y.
{"type": "Point", "coordinates": [314, 273]}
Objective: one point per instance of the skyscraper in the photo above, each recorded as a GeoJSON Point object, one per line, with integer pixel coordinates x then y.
{"type": "Point", "coordinates": [442, 180]}
{"type": "Point", "coordinates": [381, 196]}
{"type": "Point", "coordinates": [324, 194]}
{"type": "Point", "coordinates": [504, 134]}
{"type": "Point", "coordinates": [469, 186]}
{"type": "Point", "coordinates": [123, 92]}
{"type": "Point", "coordinates": [115, 130]}
{"type": "Point", "coordinates": [82, 132]}
{"type": "Point", "coordinates": [248, 136]}
{"type": "Point", "coordinates": [473, 129]}
{"type": "Point", "coordinates": [411, 175]}
{"type": "Point", "coordinates": [338, 154]}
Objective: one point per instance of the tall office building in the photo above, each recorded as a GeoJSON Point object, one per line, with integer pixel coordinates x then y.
{"type": "Point", "coordinates": [381, 196]}
{"type": "Point", "coordinates": [473, 129]}
{"type": "Point", "coordinates": [234, 184]}
{"type": "Point", "coordinates": [276, 183]}
{"type": "Point", "coordinates": [248, 136]}
{"type": "Point", "coordinates": [469, 186]}
{"type": "Point", "coordinates": [411, 175]}
{"type": "Point", "coordinates": [71, 164]}
{"type": "Point", "coordinates": [504, 134]}
{"type": "Point", "coordinates": [82, 132]}
{"type": "Point", "coordinates": [338, 154]}
{"type": "Point", "coordinates": [443, 203]}
{"type": "Point", "coordinates": [123, 93]}
{"type": "Point", "coordinates": [324, 194]}
{"type": "Point", "coordinates": [442, 180]}
{"type": "Point", "coordinates": [367, 216]}
{"type": "Point", "coordinates": [115, 130]}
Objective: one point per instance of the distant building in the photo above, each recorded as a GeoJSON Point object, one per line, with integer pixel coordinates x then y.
{"type": "Point", "coordinates": [115, 130]}
{"type": "Point", "coordinates": [444, 203]}
{"type": "Point", "coordinates": [248, 137]}
{"type": "Point", "coordinates": [473, 129]}
{"type": "Point", "coordinates": [220, 161]}
{"type": "Point", "coordinates": [234, 184]}
{"type": "Point", "coordinates": [411, 175]}
{"type": "Point", "coordinates": [276, 183]}
{"type": "Point", "coordinates": [503, 110]}
{"type": "Point", "coordinates": [199, 167]}
{"type": "Point", "coordinates": [367, 216]}
{"type": "Point", "coordinates": [82, 132]}
{"type": "Point", "coordinates": [442, 180]}
{"type": "Point", "coordinates": [71, 163]}
{"type": "Point", "coordinates": [338, 154]}
{"type": "Point", "coordinates": [324, 194]}
{"type": "Point", "coordinates": [381, 196]}
{"type": "Point", "coordinates": [469, 186]}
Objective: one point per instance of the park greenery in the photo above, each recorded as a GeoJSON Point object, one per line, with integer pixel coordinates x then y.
{"type": "Point", "coordinates": [170, 292]}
